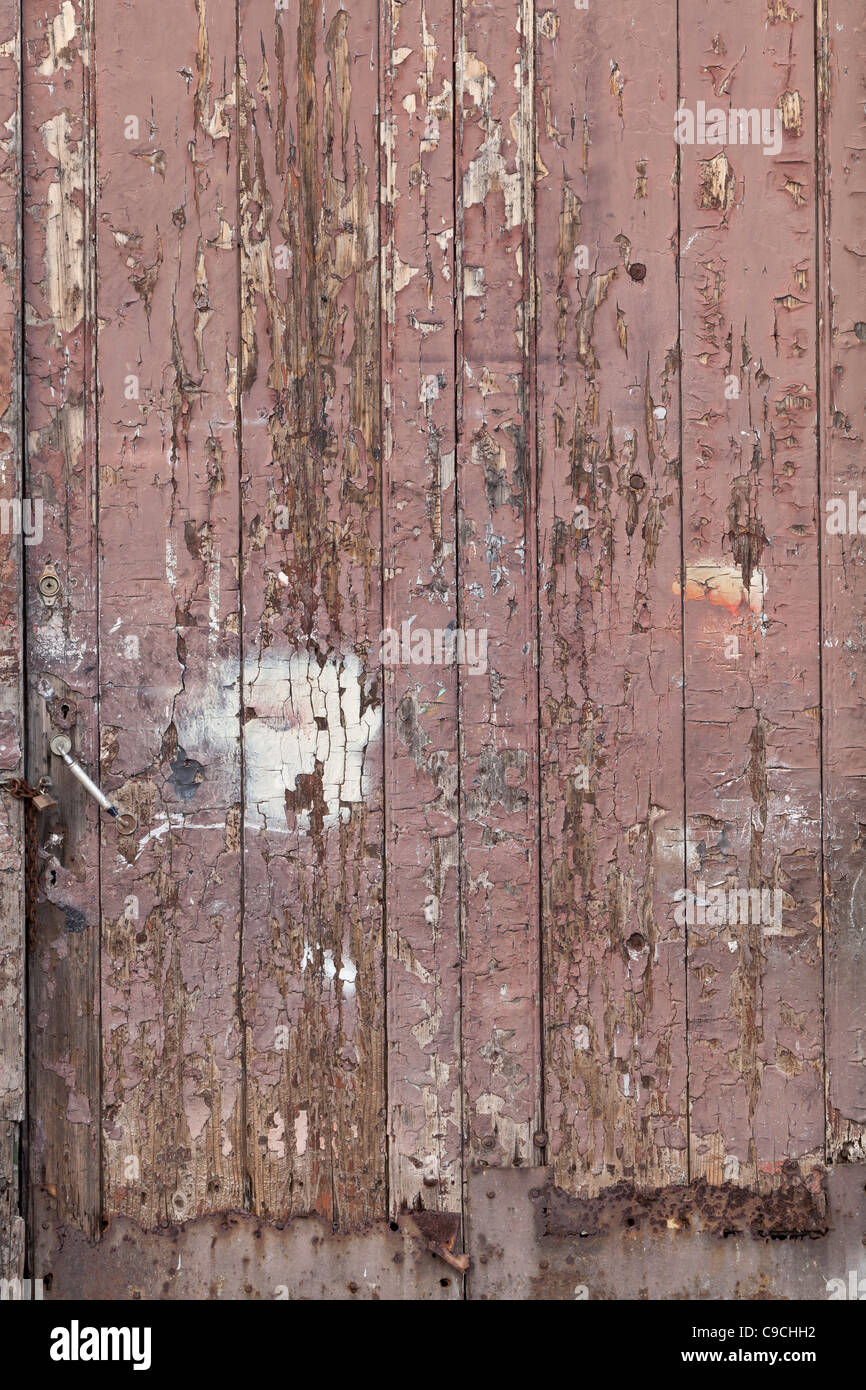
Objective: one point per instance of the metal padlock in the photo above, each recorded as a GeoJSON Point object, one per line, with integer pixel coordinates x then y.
{"type": "Point", "coordinates": [43, 801]}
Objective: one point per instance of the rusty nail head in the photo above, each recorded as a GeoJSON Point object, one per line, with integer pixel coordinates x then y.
{"type": "Point", "coordinates": [539, 1138]}
{"type": "Point", "coordinates": [491, 1193]}
{"type": "Point", "coordinates": [488, 1142]}
{"type": "Point", "coordinates": [637, 271]}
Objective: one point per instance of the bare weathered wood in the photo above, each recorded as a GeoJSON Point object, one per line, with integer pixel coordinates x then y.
{"type": "Point", "coordinates": [12, 948]}
{"type": "Point", "coordinates": [420, 611]}
{"type": "Point", "coordinates": [453, 614]}
{"type": "Point", "coordinates": [609, 559]}
{"type": "Point", "coordinates": [748, 271]}
{"type": "Point", "coordinates": [169, 609]}
{"type": "Point", "coordinates": [842, 163]}
{"type": "Point", "coordinates": [309, 383]}
{"type": "Point", "coordinates": [497, 580]}
{"type": "Point", "coordinates": [62, 691]}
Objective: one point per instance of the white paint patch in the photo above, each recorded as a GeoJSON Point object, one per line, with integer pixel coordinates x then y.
{"type": "Point", "coordinates": [170, 562]}
{"type": "Point", "coordinates": [214, 601]}
{"type": "Point", "coordinates": [348, 970]}
{"type": "Point", "coordinates": [60, 36]}
{"type": "Point", "coordinates": [301, 1133]}
{"type": "Point", "coordinates": [308, 716]}
{"type": "Point", "coordinates": [276, 1136]}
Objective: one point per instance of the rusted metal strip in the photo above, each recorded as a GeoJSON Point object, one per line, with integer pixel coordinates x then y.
{"type": "Point", "coordinates": [751, 589]}
{"type": "Point", "coordinates": [842, 35]}
{"type": "Point", "coordinates": [12, 976]}
{"type": "Point", "coordinates": [59, 365]}
{"type": "Point", "coordinates": [532, 1241]}
{"type": "Point", "coordinates": [169, 610]}
{"type": "Point", "coordinates": [309, 380]}
{"type": "Point", "coordinates": [421, 615]}
{"type": "Point", "coordinates": [611, 659]}
{"type": "Point", "coordinates": [497, 580]}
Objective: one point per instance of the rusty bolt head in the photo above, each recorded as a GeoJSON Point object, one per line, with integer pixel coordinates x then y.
{"type": "Point", "coordinates": [539, 1138]}
{"type": "Point", "coordinates": [637, 271]}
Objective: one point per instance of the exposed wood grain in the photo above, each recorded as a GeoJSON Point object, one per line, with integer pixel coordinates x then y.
{"type": "Point", "coordinates": [169, 609]}
{"type": "Point", "coordinates": [59, 361]}
{"type": "Point", "coordinates": [419, 529]}
{"type": "Point", "coordinates": [842, 155]}
{"type": "Point", "coordinates": [465, 590]}
{"type": "Point", "coordinates": [309, 380]}
{"type": "Point", "coordinates": [751, 595]}
{"type": "Point", "coordinates": [12, 975]}
{"type": "Point", "coordinates": [497, 580]}
{"type": "Point", "coordinates": [609, 557]}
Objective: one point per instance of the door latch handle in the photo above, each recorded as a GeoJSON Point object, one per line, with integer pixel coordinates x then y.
{"type": "Point", "coordinates": [61, 746]}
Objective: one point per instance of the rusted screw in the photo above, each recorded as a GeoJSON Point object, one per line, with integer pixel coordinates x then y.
{"type": "Point", "coordinates": [637, 271]}
{"type": "Point", "coordinates": [539, 1138]}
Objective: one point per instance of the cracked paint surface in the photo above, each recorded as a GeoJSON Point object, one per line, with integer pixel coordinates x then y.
{"type": "Point", "coordinates": [751, 741]}
{"type": "Point", "coordinates": [610, 657]}
{"type": "Point", "coordinates": [407, 313]}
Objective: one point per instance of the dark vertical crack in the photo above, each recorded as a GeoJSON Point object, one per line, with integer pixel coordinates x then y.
{"type": "Point", "coordinates": [246, 1174]}
{"type": "Point", "coordinates": [383, 48]}
{"type": "Point", "coordinates": [457, 243]}
{"type": "Point", "coordinates": [25, 1190]}
{"type": "Point", "coordinates": [823, 282]}
{"type": "Point", "coordinates": [92, 398]}
{"type": "Point", "coordinates": [679, 276]}
{"type": "Point", "coordinates": [533, 437]}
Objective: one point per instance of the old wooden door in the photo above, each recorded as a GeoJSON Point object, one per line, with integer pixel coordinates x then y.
{"type": "Point", "coordinates": [432, 473]}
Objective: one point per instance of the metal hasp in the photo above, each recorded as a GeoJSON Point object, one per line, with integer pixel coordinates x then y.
{"type": "Point", "coordinates": [61, 746]}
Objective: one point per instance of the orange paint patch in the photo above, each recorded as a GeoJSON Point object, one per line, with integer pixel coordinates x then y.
{"type": "Point", "coordinates": [723, 585]}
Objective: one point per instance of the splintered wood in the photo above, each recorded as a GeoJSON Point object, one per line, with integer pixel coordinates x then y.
{"type": "Point", "coordinates": [433, 505]}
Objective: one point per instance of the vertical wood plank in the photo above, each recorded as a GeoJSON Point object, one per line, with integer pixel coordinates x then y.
{"type": "Point", "coordinates": [310, 388]}
{"type": "Point", "coordinates": [169, 609]}
{"type": "Point", "coordinates": [62, 689]}
{"type": "Point", "coordinates": [842, 142]}
{"type": "Point", "coordinates": [751, 591]}
{"type": "Point", "coordinates": [497, 580]}
{"type": "Point", "coordinates": [12, 947]}
{"type": "Point", "coordinates": [419, 530]}
{"type": "Point", "coordinates": [610, 654]}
